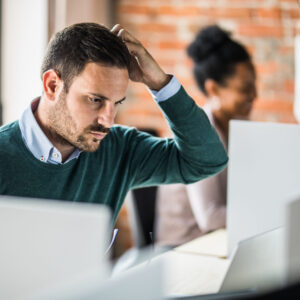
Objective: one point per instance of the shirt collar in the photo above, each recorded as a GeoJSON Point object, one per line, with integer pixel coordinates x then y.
{"type": "Point", "coordinates": [36, 140]}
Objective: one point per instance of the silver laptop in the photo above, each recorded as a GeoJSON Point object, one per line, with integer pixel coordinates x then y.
{"type": "Point", "coordinates": [257, 264]}
{"type": "Point", "coordinates": [267, 261]}
{"type": "Point", "coordinates": [45, 244]}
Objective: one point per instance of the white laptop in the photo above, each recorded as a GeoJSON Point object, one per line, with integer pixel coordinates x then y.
{"type": "Point", "coordinates": [257, 264]}
{"type": "Point", "coordinates": [267, 261]}
{"type": "Point", "coordinates": [264, 170]}
{"type": "Point", "coordinates": [45, 244]}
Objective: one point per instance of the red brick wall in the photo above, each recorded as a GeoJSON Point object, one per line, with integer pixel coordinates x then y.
{"type": "Point", "coordinates": [166, 27]}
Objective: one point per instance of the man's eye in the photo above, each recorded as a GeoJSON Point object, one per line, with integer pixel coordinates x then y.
{"type": "Point", "coordinates": [96, 100]}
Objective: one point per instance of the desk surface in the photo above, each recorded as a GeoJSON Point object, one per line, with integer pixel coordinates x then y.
{"type": "Point", "coordinates": [189, 274]}
{"type": "Point", "coordinates": [197, 267]}
{"type": "Point", "coordinates": [212, 244]}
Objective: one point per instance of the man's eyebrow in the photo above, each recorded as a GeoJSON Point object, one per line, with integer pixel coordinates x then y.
{"type": "Point", "coordinates": [99, 96]}
{"type": "Point", "coordinates": [104, 97]}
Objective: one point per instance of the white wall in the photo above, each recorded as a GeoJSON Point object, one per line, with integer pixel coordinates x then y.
{"type": "Point", "coordinates": [66, 12]}
{"type": "Point", "coordinates": [24, 39]}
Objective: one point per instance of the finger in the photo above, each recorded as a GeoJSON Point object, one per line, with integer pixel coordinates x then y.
{"type": "Point", "coordinates": [116, 28]}
{"type": "Point", "coordinates": [127, 37]}
{"type": "Point", "coordinates": [123, 34]}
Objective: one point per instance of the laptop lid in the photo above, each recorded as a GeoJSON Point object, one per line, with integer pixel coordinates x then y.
{"type": "Point", "coordinates": [264, 169]}
{"type": "Point", "coordinates": [257, 263]}
{"type": "Point", "coordinates": [48, 243]}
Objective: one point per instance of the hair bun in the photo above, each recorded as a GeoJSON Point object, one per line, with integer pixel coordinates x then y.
{"type": "Point", "coordinates": [207, 41]}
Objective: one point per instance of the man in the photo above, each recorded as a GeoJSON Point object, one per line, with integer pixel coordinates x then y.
{"type": "Point", "coordinates": [65, 145]}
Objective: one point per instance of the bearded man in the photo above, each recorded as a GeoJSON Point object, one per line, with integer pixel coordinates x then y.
{"type": "Point", "coordinates": [65, 145]}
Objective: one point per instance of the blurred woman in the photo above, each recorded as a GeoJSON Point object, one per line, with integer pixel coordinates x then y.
{"type": "Point", "coordinates": [226, 76]}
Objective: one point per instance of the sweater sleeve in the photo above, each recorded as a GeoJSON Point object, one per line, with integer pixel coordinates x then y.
{"type": "Point", "coordinates": [194, 153]}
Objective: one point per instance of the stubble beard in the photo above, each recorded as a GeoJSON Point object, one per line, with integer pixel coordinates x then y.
{"type": "Point", "coordinates": [64, 131]}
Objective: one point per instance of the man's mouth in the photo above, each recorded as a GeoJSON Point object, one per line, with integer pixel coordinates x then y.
{"type": "Point", "coordinates": [98, 135]}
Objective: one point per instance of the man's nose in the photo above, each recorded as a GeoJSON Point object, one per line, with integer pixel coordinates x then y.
{"type": "Point", "coordinates": [106, 115]}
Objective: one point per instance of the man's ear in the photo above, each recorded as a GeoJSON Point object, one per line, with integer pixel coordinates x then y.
{"type": "Point", "coordinates": [51, 84]}
{"type": "Point", "coordinates": [211, 88]}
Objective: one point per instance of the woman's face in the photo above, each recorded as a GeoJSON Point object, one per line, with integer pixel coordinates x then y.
{"type": "Point", "coordinates": [237, 94]}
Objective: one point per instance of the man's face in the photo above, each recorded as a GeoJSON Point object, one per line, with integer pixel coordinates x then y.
{"type": "Point", "coordinates": [83, 116]}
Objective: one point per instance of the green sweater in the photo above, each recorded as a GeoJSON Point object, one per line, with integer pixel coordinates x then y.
{"type": "Point", "coordinates": [126, 159]}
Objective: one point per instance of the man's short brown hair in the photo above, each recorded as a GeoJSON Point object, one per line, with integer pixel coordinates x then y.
{"type": "Point", "coordinates": [72, 48]}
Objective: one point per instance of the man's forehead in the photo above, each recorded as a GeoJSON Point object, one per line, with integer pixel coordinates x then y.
{"type": "Point", "coordinates": [100, 79]}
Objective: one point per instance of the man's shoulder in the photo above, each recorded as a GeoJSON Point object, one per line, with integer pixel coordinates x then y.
{"type": "Point", "coordinates": [9, 134]}
{"type": "Point", "coordinates": [8, 130]}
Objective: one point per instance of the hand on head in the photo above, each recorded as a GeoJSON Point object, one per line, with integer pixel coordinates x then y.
{"type": "Point", "coordinates": [143, 66]}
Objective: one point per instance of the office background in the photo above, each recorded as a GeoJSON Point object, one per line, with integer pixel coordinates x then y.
{"type": "Point", "coordinates": [268, 28]}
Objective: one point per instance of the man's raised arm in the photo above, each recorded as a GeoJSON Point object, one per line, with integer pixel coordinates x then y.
{"type": "Point", "coordinates": [195, 152]}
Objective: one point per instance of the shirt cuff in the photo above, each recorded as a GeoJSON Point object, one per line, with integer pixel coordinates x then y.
{"type": "Point", "coordinates": [167, 91]}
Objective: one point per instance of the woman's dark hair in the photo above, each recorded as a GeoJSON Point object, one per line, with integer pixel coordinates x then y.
{"type": "Point", "coordinates": [72, 48]}
{"type": "Point", "coordinates": [215, 55]}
